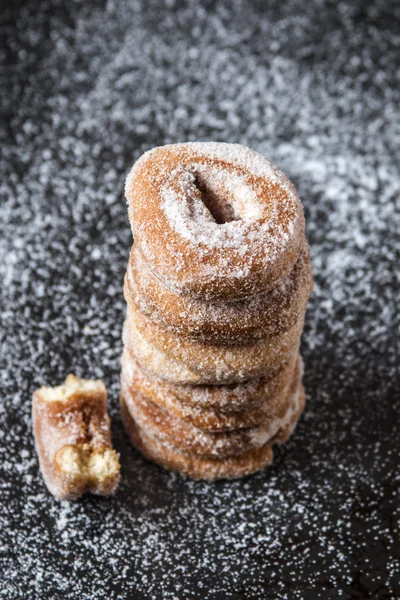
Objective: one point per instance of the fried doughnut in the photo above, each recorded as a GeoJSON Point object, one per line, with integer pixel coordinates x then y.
{"type": "Point", "coordinates": [236, 363]}
{"type": "Point", "coordinates": [168, 456]}
{"type": "Point", "coordinates": [211, 408]}
{"type": "Point", "coordinates": [73, 441]}
{"type": "Point", "coordinates": [161, 424]}
{"type": "Point", "coordinates": [229, 323]}
{"type": "Point", "coordinates": [214, 220]}
{"type": "Point", "coordinates": [201, 363]}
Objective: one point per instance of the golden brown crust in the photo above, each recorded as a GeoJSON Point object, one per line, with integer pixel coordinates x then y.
{"type": "Point", "coordinates": [163, 425]}
{"type": "Point", "coordinates": [208, 469]}
{"type": "Point", "coordinates": [181, 360]}
{"type": "Point", "coordinates": [181, 238]}
{"type": "Point", "coordinates": [284, 434]}
{"type": "Point", "coordinates": [229, 322]}
{"type": "Point", "coordinates": [192, 466]}
{"type": "Point", "coordinates": [211, 408]}
{"type": "Point", "coordinates": [216, 287]}
{"type": "Point", "coordinates": [73, 441]}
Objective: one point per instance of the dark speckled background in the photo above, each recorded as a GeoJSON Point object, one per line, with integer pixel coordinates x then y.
{"type": "Point", "coordinates": [86, 87]}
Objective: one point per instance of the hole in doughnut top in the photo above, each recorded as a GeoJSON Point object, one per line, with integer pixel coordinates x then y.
{"type": "Point", "coordinates": [225, 194]}
{"type": "Point", "coordinates": [211, 204]}
{"type": "Point", "coordinates": [215, 200]}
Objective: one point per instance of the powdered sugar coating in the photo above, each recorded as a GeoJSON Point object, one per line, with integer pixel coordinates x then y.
{"type": "Point", "coordinates": [213, 221]}
{"type": "Point", "coordinates": [209, 407]}
{"type": "Point", "coordinates": [235, 154]}
{"type": "Point", "coordinates": [187, 438]}
{"type": "Point", "coordinates": [212, 363]}
{"type": "Point", "coordinates": [227, 323]}
{"type": "Point", "coordinates": [188, 214]}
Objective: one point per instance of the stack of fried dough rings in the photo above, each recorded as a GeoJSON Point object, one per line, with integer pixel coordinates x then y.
{"type": "Point", "coordinates": [216, 289]}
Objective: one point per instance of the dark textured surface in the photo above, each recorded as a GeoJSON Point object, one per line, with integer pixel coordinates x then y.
{"type": "Point", "coordinates": [85, 89]}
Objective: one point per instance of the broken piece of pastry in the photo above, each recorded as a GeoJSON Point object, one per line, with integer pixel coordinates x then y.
{"type": "Point", "coordinates": [73, 440]}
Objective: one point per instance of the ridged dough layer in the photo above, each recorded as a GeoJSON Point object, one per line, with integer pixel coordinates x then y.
{"type": "Point", "coordinates": [210, 407]}
{"type": "Point", "coordinates": [221, 322]}
{"type": "Point", "coordinates": [161, 424]}
{"type": "Point", "coordinates": [180, 360]}
{"type": "Point", "coordinates": [208, 469]}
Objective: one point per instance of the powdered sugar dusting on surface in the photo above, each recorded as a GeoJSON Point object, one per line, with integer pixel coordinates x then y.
{"type": "Point", "coordinates": [110, 83]}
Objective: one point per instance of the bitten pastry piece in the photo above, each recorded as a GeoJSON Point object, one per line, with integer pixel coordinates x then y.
{"type": "Point", "coordinates": [73, 441]}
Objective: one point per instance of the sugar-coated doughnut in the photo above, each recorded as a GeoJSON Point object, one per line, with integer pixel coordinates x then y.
{"type": "Point", "coordinates": [214, 220]}
{"type": "Point", "coordinates": [160, 423]}
{"type": "Point", "coordinates": [222, 322]}
{"type": "Point", "coordinates": [201, 363]}
{"type": "Point", "coordinates": [168, 456]}
{"type": "Point", "coordinates": [73, 441]}
{"type": "Point", "coordinates": [211, 407]}
{"type": "Point", "coordinates": [216, 289]}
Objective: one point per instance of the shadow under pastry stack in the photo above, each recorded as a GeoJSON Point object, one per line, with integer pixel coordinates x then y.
{"type": "Point", "coordinates": [217, 284]}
